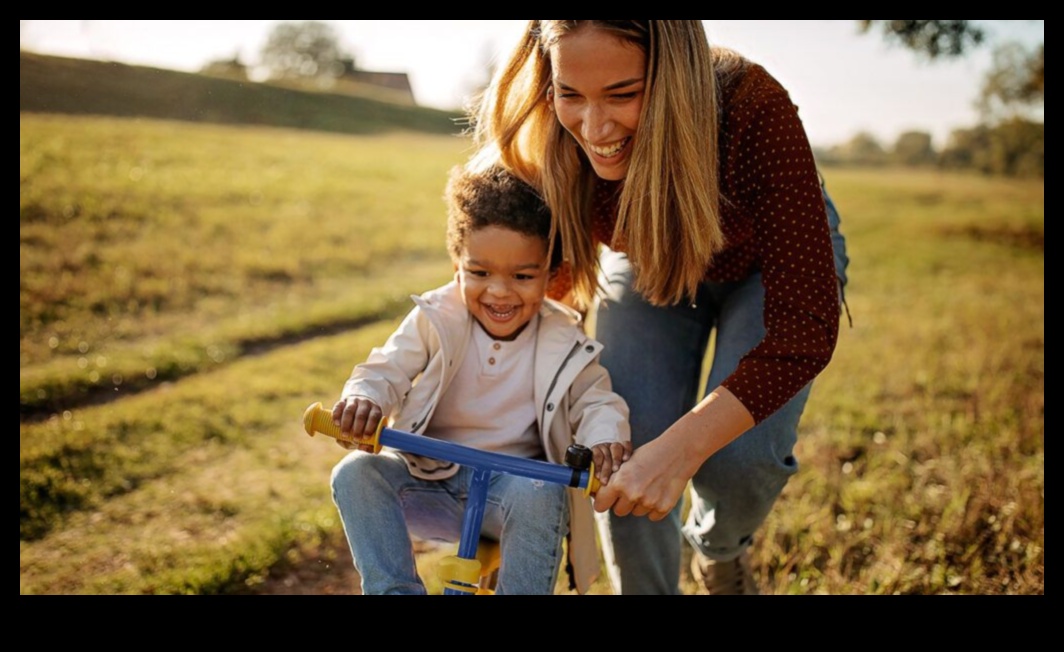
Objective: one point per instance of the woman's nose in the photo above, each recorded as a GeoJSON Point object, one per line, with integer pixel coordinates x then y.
{"type": "Point", "coordinates": [597, 124]}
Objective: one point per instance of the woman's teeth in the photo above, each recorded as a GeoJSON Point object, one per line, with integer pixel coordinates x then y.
{"type": "Point", "coordinates": [611, 150]}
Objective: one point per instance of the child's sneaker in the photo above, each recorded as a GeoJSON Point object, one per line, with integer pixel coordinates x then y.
{"type": "Point", "coordinates": [723, 577]}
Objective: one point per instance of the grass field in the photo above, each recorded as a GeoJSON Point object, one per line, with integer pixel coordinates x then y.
{"type": "Point", "coordinates": [186, 290]}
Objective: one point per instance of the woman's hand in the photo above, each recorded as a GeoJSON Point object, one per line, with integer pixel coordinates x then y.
{"type": "Point", "coordinates": [654, 479]}
{"type": "Point", "coordinates": [649, 484]}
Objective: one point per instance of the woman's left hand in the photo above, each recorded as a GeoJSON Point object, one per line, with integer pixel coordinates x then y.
{"type": "Point", "coordinates": [654, 479]}
{"type": "Point", "coordinates": [649, 484]}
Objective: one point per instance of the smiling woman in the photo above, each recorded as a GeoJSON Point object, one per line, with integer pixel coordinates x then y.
{"type": "Point", "coordinates": [690, 164]}
{"type": "Point", "coordinates": [600, 98]}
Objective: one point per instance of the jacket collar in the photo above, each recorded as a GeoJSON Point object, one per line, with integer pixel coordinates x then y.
{"type": "Point", "coordinates": [448, 312]}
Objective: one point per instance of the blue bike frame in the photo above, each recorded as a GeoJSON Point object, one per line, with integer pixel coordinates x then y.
{"type": "Point", "coordinates": [484, 465]}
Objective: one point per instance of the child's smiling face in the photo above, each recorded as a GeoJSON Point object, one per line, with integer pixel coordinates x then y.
{"type": "Point", "coordinates": [503, 275]}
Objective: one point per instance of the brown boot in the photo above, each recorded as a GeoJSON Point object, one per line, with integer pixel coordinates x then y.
{"type": "Point", "coordinates": [723, 577]}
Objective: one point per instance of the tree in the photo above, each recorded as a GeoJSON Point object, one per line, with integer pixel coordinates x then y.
{"type": "Point", "coordinates": [1018, 76]}
{"type": "Point", "coordinates": [914, 148]}
{"type": "Point", "coordinates": [1015, 147]}
{"type": "Point", "coordinates": [304, 50]}
{"type": "Point", "coordinates": [1008, 141]}
{"type": "Point", "coordinates": [1019, 148]}
{"type": "Point", "coordinates": [1038, 69]}
{"type": "Point", "coordinates": [964, 147]}
{"type": "Point", "coordinates": [1015, 82]}
{"type": "Point", "coordinates": [932, 38]}
{"type": "Point", "coordinates": [862, 149]}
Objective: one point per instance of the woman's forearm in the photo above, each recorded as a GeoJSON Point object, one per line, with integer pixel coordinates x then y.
{"type": "Point", "coordinates": [713, 424]}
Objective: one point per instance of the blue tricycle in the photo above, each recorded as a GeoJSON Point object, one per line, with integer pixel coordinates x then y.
{"type": "Point", "coordinates": [466, 573]}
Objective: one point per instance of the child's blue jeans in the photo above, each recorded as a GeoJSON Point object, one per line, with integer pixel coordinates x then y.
{"type": "Point", "coordinates": [654, 356]}
{"type": "Point", "coordinates": [382, 506]}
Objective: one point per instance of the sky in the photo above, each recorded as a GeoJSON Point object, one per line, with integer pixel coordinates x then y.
{"type": "Point", "coordinates": [843, 82]}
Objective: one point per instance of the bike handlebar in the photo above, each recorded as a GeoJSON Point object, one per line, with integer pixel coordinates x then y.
{"type": "Point", "coordinates": [317, 420]}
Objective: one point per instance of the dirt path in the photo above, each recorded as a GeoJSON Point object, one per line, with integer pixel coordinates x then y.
{"type": "Point", "coordinates": [325, 571]}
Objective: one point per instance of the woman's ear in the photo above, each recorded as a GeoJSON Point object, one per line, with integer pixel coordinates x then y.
{"type": "Point", "coordinates": [550, 97]}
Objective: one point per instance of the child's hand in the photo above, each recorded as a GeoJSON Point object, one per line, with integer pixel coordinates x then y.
{"type": "Point", "coordinates": [609, 458]}
{"type": "Point", "coordinates": [358, 419]}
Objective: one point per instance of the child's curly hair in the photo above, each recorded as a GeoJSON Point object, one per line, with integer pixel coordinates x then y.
{"type": "Point", "coordinates": [477, 199]}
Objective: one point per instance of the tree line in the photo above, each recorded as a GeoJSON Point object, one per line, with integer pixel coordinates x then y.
{"type": "Point", "coordinates": [1011, 147]}
{"type": "Point", "coordinates": [1009, 138]}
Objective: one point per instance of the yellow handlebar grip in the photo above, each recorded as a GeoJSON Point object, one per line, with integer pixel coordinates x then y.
{"type": "Point", "coordinates": [316, 419]}
{"type": "Point", "coordinates": [592, 482]}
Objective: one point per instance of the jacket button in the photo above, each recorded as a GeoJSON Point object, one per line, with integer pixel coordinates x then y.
{"type": "Point", "coordinates": [550, 407]}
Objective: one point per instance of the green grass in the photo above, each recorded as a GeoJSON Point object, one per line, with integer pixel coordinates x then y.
{"type": "Point", "coordinates": [229, 277]}
{"type": "Point", "coordinates": [127, 284]}
{"type": "Point", "coordinates": [197, 488]}
{"type": "Point", "coordinates": [151, 250]}
{"type": "Point", "coordinates": [923, 444]}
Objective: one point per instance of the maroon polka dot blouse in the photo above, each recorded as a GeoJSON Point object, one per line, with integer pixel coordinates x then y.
{"type": "Point", "coordinates": [775, 223]}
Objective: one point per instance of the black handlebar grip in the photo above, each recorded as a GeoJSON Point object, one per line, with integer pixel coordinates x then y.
{"type": "Point", "coordinates": [578, 457]}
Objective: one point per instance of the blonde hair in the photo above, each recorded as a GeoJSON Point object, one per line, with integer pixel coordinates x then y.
{"type": "Point", "coordinates": [668, 218]}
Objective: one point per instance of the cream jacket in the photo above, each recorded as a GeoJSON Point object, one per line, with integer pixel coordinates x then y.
{"type": "Point", "coordinates": [573, 393]}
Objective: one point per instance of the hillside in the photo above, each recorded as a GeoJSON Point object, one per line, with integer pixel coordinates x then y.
{"type": "Point", "coordinates": [215, 281]}
{"type": "Point", "coordinates": [49, 84]}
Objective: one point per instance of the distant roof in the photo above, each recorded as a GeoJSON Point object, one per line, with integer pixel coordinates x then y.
{"type": "Point", "coordinates": [397, 81]}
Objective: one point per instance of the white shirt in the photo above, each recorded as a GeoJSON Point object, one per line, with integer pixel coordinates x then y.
{"type": "Point", "coordinates": [490, 404]}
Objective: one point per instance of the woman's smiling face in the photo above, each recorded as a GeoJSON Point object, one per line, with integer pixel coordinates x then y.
{"type": "Point", "coordinates": [599, 81]}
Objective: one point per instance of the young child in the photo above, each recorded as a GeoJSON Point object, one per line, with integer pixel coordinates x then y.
{"type": "Point", "coordinates": [485, 361]}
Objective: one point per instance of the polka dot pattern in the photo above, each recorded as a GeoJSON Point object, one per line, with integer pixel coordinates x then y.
{"type": "Point", "coordinates": [775, 223]}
